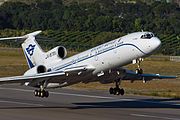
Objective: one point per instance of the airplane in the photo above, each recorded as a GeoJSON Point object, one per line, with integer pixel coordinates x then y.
{"type": "Point", "coordinates": [103, 63]}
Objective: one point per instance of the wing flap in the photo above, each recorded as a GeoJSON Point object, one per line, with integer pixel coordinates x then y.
{"type": "Point", "coordinates": [125, 74]}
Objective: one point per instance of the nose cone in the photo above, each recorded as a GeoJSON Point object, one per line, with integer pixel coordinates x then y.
{"type": "Point", "coordinates": [148, 46]}
{"type": "Point", "coordinates": [156, 43]}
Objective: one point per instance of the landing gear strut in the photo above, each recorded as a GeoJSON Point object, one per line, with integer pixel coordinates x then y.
{"type": "Point", "coordinates": [116, 90]}
{"type": "Point", "coordinates": [139, 70]}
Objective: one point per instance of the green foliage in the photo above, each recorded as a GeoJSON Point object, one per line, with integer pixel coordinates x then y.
{"type": "Point", "coordinates": [82, 40]}
{"type": "Point", "coordinates": [170, 44]}
{"type": "Point", "coordinates": [81, 24]}
{"type": "Point", "coordinates": [78, 40]}
{"type": "Point", "coordinates": [104, 16]}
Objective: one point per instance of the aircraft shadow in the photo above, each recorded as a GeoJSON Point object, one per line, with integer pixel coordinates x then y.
{"type": "Point", "coordinates": [145, 103]}
{"type": "Point", "coordinates": [138, 103]}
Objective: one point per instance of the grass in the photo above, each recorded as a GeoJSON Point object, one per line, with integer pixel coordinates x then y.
{"type": "Point", "coordinates": [12, 62]}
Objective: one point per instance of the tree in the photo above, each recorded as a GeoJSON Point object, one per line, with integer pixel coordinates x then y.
{"type": "Point", "coordinates": [138, 24]}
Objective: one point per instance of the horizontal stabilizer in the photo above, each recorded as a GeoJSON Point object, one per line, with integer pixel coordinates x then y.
{"type": "Point", "coordinates": [22, 37]}
{"type": "Point", "coordinates": [33, 34]}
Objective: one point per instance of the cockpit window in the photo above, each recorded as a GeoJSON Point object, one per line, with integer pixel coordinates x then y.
{"type": "Point", "coordinates": [147, 36]}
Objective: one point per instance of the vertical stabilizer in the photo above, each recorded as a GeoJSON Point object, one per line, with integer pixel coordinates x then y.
{"type": "Point", "coordinates": [33, 52]}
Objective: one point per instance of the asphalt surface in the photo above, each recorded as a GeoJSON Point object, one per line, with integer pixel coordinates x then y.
{"type": "Point", "coordinates": [18, 103]}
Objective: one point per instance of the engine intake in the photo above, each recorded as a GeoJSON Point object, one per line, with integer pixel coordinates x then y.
{"type": "Point", "coordinates": [36, 70]}
{"type": "Point", "coordinates": [41, 69]}
{"type": "Point", "coordinates": [62, 52]}
{"type": "Point", "coordinates": [56, 53]}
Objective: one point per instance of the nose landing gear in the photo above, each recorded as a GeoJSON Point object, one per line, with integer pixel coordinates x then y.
{"type": "Point", "coordinates": [139, 70]}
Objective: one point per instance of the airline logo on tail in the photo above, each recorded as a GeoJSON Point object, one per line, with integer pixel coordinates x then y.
{"type": "Point", "coordinates": [30, 49]}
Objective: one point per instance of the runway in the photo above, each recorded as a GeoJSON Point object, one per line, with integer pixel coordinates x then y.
{"type": "Point", "coordinates": [19, 103]}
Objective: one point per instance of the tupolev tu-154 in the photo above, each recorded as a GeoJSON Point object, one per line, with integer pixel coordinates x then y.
{"type": "Point", "coordinates": [103, 63]}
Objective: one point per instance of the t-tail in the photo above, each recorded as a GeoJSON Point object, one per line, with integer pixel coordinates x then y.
{"type": "Point", "coordinates": [32, 51]}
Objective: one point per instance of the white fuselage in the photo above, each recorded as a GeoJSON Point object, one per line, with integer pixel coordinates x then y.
{"type": "Point", "coordinates": [115, 53]}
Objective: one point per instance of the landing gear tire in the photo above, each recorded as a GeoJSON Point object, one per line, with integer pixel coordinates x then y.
{"type": "Point", "coordinates": [139, 71]}
{"type": "Point", "coordinates": [42, 93]}
{"type": "Point", "coordinates": [39, 93]}
{"type": "Point", "coordinates": [111, 90]}
{"type": "Point", "coordinates": [36, 93]}
{"type": "Point", "coordinates": [122, 91]}
{"type": "Point", "coordinates": [116, 91]}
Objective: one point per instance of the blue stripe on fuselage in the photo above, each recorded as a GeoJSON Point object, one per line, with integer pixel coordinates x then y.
{"type": "Point", "coordinates": [68, 64]}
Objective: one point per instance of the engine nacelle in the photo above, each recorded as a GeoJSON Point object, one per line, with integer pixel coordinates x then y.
{"type": "Point", "coordinates": [62, 52]}
{"type": "Point", "coordinates": [58, 52]}
{"type": "Point", "coordinates": [36, 70]}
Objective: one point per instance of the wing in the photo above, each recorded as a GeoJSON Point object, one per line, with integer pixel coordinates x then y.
{"type": "Point", "coordinates": [38, 78]}
{"type": "Point", "coordinates": [131, 75]}
{"type": "Point", "coordinates": [125, 74]}
{"type": "Point", "coordinates": [22, 79]}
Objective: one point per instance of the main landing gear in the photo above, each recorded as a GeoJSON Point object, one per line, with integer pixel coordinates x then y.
{"type": "Point", "coordinates": [41, 93]}
{"type": "Point", "coordinates": [116, 90]}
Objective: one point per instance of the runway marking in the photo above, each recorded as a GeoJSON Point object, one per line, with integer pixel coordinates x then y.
{"type": "Point", "coordinates": [152, 116]}
{"type": "Point", "coordinates": [2, 101]}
